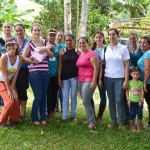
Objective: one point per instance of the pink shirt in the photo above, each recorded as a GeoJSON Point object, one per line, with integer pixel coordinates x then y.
{"type": "Point", "coordinates": [86, 70]}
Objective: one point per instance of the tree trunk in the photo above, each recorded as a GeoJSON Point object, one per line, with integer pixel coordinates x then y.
{"type": "Point", "coordinates": [67, 16]}
{"type": "Point", "coordinates": [84, 17]}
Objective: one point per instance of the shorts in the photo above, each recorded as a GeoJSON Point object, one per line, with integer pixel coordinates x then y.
{"type": "Point", "coordinates": [22, 83]}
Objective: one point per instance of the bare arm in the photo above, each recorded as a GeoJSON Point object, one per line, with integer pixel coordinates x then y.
{"type": "Point", "coordinates": [3, 63]}
{"type": "Point", "coordinates": [25, 55]}
{"type": "Point", "coordinates": [127, 97]}
{"type": "Point", "coordinates": [60, 67]}
{"type": "Point", "coordinates": [126, 68]}
{"type": "Point", "coordinates": [16, 74]}
{"type": "Point", "coordinates": [95, 63]}
{"type": "Point", "coordinates": [146, 72]}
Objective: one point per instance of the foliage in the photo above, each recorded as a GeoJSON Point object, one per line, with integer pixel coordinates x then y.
{"type": "Point", "coordinates": [9, 13]}
{"type": "Point", "coordinates": [51, 16]}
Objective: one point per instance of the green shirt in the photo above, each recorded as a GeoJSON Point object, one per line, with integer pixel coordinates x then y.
{"type": "Point", "coordinates": [135, 90]}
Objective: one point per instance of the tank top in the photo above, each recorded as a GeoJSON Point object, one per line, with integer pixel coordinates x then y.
{"type": "Point", "coordinates": [69, 69]}
{"type": "Point", "coordinates": [11, 69]}
{"type": "Point", "coordinates": [42, 66]}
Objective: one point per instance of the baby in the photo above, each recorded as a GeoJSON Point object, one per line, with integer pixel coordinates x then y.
{"type": "Point", "coordinates": [38, 53]}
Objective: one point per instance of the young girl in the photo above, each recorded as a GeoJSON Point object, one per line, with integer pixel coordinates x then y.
{"type": "Point", "coordinates": [98, 47]}
{"type": "Point", "coordinates": [135, 98]}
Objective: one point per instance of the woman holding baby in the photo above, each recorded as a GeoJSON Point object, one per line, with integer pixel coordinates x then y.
{"type": "Point", "coordinates": [38, 74]}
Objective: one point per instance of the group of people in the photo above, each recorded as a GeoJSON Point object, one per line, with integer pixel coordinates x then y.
{"type": "Point", "coordinates": [56, 68]}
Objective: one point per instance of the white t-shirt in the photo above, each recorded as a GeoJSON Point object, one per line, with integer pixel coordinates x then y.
{"type": "Point", "coordinates": [114, 59]}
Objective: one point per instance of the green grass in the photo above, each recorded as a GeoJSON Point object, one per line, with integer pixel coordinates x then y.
{"type": "Point", "coordinates": [70, 135]}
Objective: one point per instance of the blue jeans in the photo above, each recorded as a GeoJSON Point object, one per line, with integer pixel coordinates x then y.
{"type": "Point", "coordinates": [115, 94]}
{"type": "Point", "coordinates": [39, 82]}
{"type": "Point", "coordinates": [70, 85]}
{"type": "Point", "coordinates": [86, 96]}
{"type": "Point", "coordinates": [135, 109]}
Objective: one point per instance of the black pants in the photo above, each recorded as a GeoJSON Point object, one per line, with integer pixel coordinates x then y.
{"type": "Point", "coordinates": [52, 94]}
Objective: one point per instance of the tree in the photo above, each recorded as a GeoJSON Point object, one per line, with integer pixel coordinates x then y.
{"type": "Point", "coordinates": [67, 16]}
{"type": "Point", "coordinates": [51, 16]}
{"type": "Point", "coordinates": [84, 17]}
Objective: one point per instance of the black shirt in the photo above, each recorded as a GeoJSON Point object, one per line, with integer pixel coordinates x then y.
{"type": "Point", "coordinates": [69, 69]}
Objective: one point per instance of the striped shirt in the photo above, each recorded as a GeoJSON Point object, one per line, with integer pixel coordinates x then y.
{"type": "Point", "coordinates": [42, 66]}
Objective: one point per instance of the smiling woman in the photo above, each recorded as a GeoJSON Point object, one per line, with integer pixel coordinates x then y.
{"type": "Point", "coordinates": [9, 67]}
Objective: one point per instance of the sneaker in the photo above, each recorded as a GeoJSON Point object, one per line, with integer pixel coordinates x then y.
{"type": "Point", "coordinates": [121, 126]}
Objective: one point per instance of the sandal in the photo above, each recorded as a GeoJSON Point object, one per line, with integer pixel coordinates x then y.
{"type": "Point", "coordinates": [44, 123]}
{"type": "Point", "coordinates": [91, 126]}
{"type": "Point", "coordinates": [22, 117]}
{"type": "Point", "coordinates": [36, 123]}
{"type": "Point", "coordinates": [111, 125]}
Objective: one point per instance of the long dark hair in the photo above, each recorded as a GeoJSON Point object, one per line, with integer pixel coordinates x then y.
{"type": "Point", "coordinates": [95, 44]}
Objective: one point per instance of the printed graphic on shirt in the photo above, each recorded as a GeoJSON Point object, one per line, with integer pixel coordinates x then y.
{"type": "Point", "coordinates": [135, 92]}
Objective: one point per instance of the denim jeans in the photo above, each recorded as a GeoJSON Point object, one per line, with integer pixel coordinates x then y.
{"type": "Point", "coordinates": [39, 82]}
{"type": "Point", "coordinates": [86, 95]}
{"type": "Point", "coordinates": [115, 94]}
{"type": "Point", "coordinates": [69, 87]}
{"type": "Point", "coordinates": [135, 109]}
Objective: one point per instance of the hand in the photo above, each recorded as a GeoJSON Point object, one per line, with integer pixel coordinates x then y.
{"type": "Point", "coordinates": [145, 88]}
{"type": "Point", "coordinates": [10, 94]}
{"type": "Point", "coordinates": [51, 47]}
{"type": "Point", "coordinates": [14, 93]}
{"type": "Point", "coordinates": [125, 85]}
{"type": "Point", "coordinates": [129, 102]}
{"type": "Point", "coordinates": [100, 83]}
{"type": "Point", "coordinates": [34, 61]}
{"type": "Point", "coordinates": [42, 49]}
{"type": "Point", "coordinates": [140, 103]}
{"type": "Point", "coordinates": [59, 82]}
{"type": "Point", "coordinates": [93, 85]}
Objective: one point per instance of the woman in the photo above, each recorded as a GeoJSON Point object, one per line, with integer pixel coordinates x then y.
{"type": "Point", "coordinates": [9, 67]}
{"type": "Point", "coordinates": [87, 64]}
{"type": "Point", "coordinates": [59, 45]}
{"type": "Point", "coordinates": [38, 74]}
{"type": "Point", "coordinates": [98, 47]}
{"type": "Point", "coordinates": [116, 75]}
{"type": "Point", "coordinates": [22, 79]}
{"type": "Point", "coordinates": [134, 49]}
{"type": "Point", "coordinates": [7, 34]}
{"type": "Point", "coordinates": [135, 53]}
{"type": "Point", "coordinates": [144, 65]}
{"type": "Point", "coordinates": [53, 75]}
{"type": "Point", "coordinates": [67, 76]}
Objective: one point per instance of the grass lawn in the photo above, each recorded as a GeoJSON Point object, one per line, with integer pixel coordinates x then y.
{"type": "Point", "coordinates": [70, 135]}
